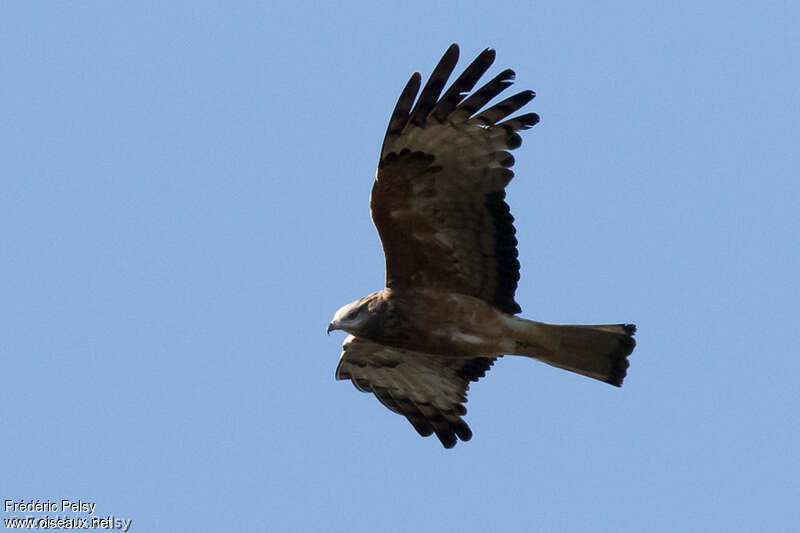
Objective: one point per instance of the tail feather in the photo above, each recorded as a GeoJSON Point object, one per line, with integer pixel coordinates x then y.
{"type": "Point", "coordinates": [600, 351]}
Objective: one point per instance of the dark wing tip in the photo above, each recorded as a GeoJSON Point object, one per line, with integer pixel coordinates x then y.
{"type": "Point", "coordinates": [462, 430]}
{"type": "Point", "coordinates": [450, 430]}
{"type": "Point", "coordinates": [433, 87]}
{"type": "Point", "coordinates": [485, 93]}
{"type": "Point", "coordinates": [459, 89]}
{"type": "Point", "coordinates": [513, 141]}
{"type": "Point", "coordinates": [400, 114]}
{"type": "Point", "coordinates": [503, 109]}
{"type": "Point", "coordinates": [447, 439]}
{"type": "Point", "coordinates": [522, 122]}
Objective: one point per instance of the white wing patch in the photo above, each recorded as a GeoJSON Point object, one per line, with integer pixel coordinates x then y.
{"type": "Point", "coordinates": [466, 337]}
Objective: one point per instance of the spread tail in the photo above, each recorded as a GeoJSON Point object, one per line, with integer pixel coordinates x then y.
{"type": "Point", "coordinates": [599, 352]}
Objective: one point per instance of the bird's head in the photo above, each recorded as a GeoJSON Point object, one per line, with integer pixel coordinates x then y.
{"type": "Point", "coordinates": [352, 317]}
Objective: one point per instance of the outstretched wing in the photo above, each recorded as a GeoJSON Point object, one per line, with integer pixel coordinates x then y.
{"type": "Point", "coordinates": [438, 200]}
{"type": "Point", "coordinates": [429, 390]}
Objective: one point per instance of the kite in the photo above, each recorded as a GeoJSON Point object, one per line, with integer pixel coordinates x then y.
{"type": "Point", "coordinates": [448, 309]}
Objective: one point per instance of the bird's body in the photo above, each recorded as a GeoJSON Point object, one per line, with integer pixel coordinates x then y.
{"type": "Point", "coordinates": [452, 324]}
{"type": "Point", "coordinates": [447, 312]}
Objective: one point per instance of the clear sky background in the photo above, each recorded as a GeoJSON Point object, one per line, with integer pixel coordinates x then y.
{"type": "Point", "coordinates": [184, 205]}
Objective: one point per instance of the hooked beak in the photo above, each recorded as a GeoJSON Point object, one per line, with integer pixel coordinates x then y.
{"type": "Point", "coordinates": [331, 327]}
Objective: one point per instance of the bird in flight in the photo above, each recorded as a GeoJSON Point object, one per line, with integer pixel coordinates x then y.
{"type": "Point", "coordinates": [448, 309]}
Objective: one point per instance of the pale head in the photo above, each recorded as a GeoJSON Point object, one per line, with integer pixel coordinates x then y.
{"type": "Point", "coordinates": [352, 316]}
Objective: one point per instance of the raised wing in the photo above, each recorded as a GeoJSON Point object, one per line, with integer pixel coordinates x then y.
{"type": "Point", "coordinates": [429, 390]}
{"type": "Point", "coordinates": [438, 200]}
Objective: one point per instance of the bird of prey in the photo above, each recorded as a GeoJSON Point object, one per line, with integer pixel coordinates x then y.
{"type": "Point", "coordinates": [448, 309]}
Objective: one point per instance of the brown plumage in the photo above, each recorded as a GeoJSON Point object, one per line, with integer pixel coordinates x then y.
{"type": "Point", "coordinates": [447, 312]}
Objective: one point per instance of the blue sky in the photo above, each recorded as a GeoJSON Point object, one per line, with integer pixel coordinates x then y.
{"type": "Point", "coordinates": [185, 205]}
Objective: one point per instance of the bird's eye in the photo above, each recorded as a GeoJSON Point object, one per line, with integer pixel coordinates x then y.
{"type": "Point", "coordinates": [352, 314]}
